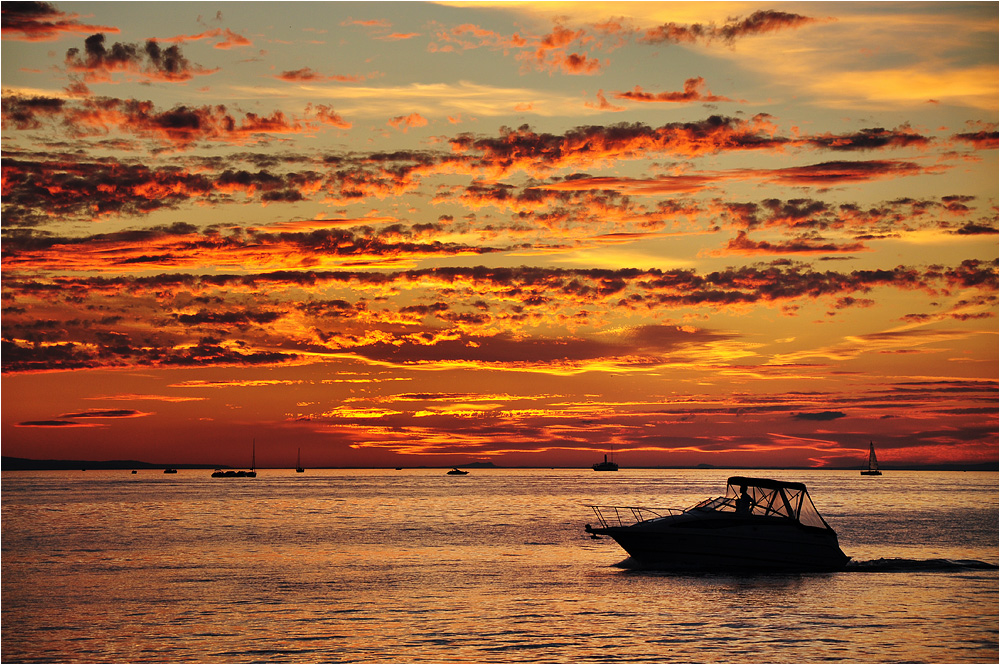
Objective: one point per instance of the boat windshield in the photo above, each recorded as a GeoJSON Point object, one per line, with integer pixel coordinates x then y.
{"type": "Point", "coordinates": [767, 498]}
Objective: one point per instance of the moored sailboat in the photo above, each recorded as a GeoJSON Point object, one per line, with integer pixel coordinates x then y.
{"type": "Point", "coordinates": [298, 463]}
{"type": "Point", "coordinates": [872, 469]}
{"type": "Point", "coordinates": [252, 473]}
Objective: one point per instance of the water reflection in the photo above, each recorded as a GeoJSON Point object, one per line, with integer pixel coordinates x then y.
{"type": "Point", "coordinates": [407, 566]}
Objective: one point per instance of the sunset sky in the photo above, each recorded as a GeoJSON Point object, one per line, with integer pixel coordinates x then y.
{"type": "Point", "coordinates": [390, 234]}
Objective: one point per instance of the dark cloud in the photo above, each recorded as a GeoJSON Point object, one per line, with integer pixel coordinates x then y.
{"type": "Point", "coordinates": [523, 148]}
{"type": "Point", "coordinates": [20, 357]}
{"type": "Point", "coordinates": [50, 423]}
{"type": "Point", "coordinates": [180, 245]}
{"type": "Point", "coordinates": [826, 173]}
{"type": "Point", "coordinates": [646, 345]}
{"type": "Point", "coordinates": [93, 189]}
{"type": "Point", "coordinates": [98, 61]}
{"type": "Point", "coordinates": [105, 413]}
{"type": "Point", "coordinates": [761, 21]}
{"type": "Point", "coordinates": [742, 244]}
{"type": "Point", "coordinates": [427, 397]}
{"type": "Point", "coordinates": [27, 112]}
{"type": "Point", "coordinates": [982, 140]}
{"type": "Point", "coordinates": [41, 21]}
{"type": "Point", "coordinates": [976, 229]}
{"type": "Point", "coordinates": [820, 415]}
{"type": "Point", "coordinates": [870, 139]}
{"type": "Point", "coordinates": [304, 74]}
{"type": "Point", "coordinates": [180, 126]}
{"type": "Point", "coordinates": [238, 320]}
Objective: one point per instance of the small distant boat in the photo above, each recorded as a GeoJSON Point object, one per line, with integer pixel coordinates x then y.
{"type": "Point", "coordinates": [298, 463]}
{"type": "Point", "coordinates": [457, 472]}
{"type": "Point", "coordinates": [605, 465]}
{"type": "Point", "coordinates": [134, 471]}
{"type": "Point", "coordinates": [872, 469]}
{"type": "Point", "coordinates": [252, 473]}
{"type": "Point", "coordinates": [760, 524]}
{"type": "Point", "coordinates": [170, 471]}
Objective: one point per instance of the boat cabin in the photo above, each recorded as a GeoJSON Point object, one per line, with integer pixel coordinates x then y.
{"type": "Point", "coordinates": [767, 498]}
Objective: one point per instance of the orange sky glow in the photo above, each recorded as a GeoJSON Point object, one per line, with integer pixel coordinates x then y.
{"type": "Point", "coordinates": [396, 234]}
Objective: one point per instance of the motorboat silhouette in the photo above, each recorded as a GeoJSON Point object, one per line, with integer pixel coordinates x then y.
{"type": "Point", "coordinates": [760, 524]}
{"type": "Point", "coordinates": [457, 472]}
{"type": "Point", "coordinates": [605, 465]}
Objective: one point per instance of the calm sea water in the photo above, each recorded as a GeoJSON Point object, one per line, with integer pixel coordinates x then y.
{"type": "Point", "coordinates": [417, 566]}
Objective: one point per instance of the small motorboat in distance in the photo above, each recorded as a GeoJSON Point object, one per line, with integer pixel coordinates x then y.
{"type": "Point", "coordinates": [457, 472]}
{"type": "Point", "coordinates": [606, 465]}
{"type": "Point", "coordinates": [759, 524]}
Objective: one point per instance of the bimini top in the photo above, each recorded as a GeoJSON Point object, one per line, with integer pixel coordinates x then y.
{"type": "Point", "coordinates": [767, 498]}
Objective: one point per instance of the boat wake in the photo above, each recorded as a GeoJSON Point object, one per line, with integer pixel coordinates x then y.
{"type": "Point", "coordinates": [896, 565]}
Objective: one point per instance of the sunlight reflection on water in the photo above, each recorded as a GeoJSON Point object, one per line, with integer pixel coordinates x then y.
{"type": "Point", "coordinates": [415, 566]}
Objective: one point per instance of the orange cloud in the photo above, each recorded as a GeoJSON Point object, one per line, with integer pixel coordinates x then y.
{"type": "Point", "coordinates": [405, 122]}
{"type": "Point", "coordinates": [603, 104]}
{"type": "Point", "coordinates": [328, 116]}
{"type": "Point", "coordinates": [397, 36]}
{"type": "Point", "coordinates": [369, 23]}
{"type": "Point", "coordinates": [551, 53]}
{"type": "Point", "coordinates": [692, 93]}
{"type": "Point", "coordinates": [230, 38]}
{"type": "Point", "coordinates": [463, 316]}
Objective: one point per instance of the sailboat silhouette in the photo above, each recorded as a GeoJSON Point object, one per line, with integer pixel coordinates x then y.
{"type": "Point", "coordinates": [252, 473]}
{"type": "Point", "coordinates": [872, 469]}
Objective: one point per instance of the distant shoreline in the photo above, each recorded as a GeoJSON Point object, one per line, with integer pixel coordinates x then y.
{"type": "Point", "coordinates": [25, 464]}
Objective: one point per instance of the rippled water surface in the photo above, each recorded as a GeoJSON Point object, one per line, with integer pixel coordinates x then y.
{"type": "Point", "coordinates": [414, 565]}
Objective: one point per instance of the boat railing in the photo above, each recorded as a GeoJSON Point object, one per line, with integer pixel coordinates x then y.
{"type": "Point", "coordinates": [610, 516]}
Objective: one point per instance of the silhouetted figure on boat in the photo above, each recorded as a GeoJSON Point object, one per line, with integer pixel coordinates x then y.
{"type": "Point", "coordinates": [744, 504]}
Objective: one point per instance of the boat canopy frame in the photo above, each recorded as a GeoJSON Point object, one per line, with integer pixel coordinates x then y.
{"type": "Point", "coordinates": [769, 498]}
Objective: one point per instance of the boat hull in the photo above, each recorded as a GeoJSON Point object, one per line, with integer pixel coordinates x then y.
{"type": "Point", "coordinates": [747, 544]}
{"type": "Point", "coordinates": [234, 474]}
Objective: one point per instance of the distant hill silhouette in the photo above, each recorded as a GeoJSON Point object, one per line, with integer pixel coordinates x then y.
{"type": "Point", "coordinates": [25, 464]}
